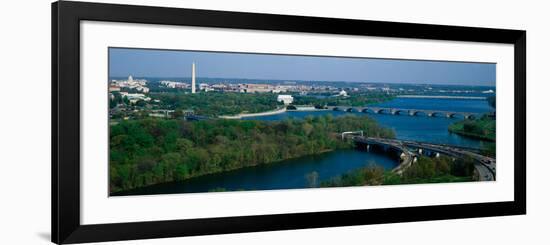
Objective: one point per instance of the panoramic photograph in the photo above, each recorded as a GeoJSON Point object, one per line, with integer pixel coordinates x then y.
{"type": "Point", "coordinates": [184, 121]}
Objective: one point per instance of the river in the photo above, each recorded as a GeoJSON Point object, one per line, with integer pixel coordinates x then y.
{"type": "Point", "coordinates": [291, 174]}
{"type": "Point", "coordinates": [419, 128]}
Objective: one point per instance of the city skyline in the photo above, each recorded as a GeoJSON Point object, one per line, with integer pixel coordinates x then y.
{"type": "Point", "coordinates": [177, 64]}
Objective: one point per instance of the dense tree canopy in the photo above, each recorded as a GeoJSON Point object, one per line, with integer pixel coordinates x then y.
{"type": "Point", "coordinates": [222, 103]}
{"type": "Point", "coordinates": [483, 128]}
{"type": "Point", "coordinates": [150, 151]}
{"type": "Point", "coordinates": [218, 103]}
{"type": "Point", "coordinates": [425, 170]}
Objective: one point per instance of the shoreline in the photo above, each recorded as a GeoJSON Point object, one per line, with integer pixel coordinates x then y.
{"type": "Point", "coordinates": [441, 97]}
{"type": "Point", "coordinates": [308, 108]}
{"type": "Point", "coordinates": [269, 113]}
{"type": "Point", "coordinates": [121, 193]}
{"type": "Point", "coordinates": [257, 114]}
{"type": "Point", "coordinates": [458, 128]}
{"type": "Point", "coordinates": [472, 136]}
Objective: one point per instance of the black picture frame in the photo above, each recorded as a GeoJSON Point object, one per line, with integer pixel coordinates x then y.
{"type": "Point", "coordinates": [66, 17]}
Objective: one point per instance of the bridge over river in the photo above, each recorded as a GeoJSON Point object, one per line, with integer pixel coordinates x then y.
{"type": "Point", "coordinates": [408, 152]}
{"type": "Point", "coordinates": [401, 111]}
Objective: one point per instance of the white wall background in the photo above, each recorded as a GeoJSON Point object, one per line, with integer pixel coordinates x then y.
{"type": "Point", "coordinates": [25, 124]}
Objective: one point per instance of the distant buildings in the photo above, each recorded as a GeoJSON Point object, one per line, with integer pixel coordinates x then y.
{"type": "Point", "coordinates": [285, 98]}
{"type": "Point", "coordinates": [219, 86]}
{"type": "Point", "coordinates": [143, 89]}
{"type": "Point", "coordinates": [172, 84]}
{"type": "Point", "coordinates": [114, 88]}
{"type": "Point", "coordinates": [162, 113]}
{"type": "Point", "coordinates": [130, 83]}
{"type": "Point", "coordinates": [283, 88]}
{"type": "Point", "coordinates": [267, 88]}
{"type": "Point", "coordinates": [128, 88]}
{"type": "Point", "coordinates": [343, 93]}
{"type": "Point", "coordinates": [205, 87]}
{"type": "Point", "coordinates": [134, 98]}
{"type": "Point", "coordinates": [257, 88]}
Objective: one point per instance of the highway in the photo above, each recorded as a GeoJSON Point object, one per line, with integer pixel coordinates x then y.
{"type": "Point", "coordinates": [485, 166]}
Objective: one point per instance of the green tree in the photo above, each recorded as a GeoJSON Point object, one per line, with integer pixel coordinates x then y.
{"type": "Point", "coordinates": [373, 174]}
{"type": "Point", "coordinates": [149, 151]}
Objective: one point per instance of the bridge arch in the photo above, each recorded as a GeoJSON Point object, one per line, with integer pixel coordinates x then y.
{"type": "Point", "coordinates": [419, 113]}
{"type": "Point", "coordinates": [384, 111]}
{"type": "Point", "coordinates": [456, 115]}
{"type": "Point", "coordinates": [438, 114]}
{"type": "Point", "coordinates": [352, 109]}
{"type": "Point", "coordinates": [410, 112]}
{"type": "Point", "coordinates": [400, 112]}
{"type": "Point", "coordinates": [368, 110]}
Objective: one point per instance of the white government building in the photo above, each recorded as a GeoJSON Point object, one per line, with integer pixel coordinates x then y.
{"type": "Point", "coordinates": [285, 98]}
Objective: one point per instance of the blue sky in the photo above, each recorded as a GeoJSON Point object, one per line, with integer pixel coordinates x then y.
{"type": "Point", "coordinates": [170, 63]}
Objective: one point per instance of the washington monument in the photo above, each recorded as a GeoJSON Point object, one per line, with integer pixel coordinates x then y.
{"type": "Point", "coordinates": [193, 79]}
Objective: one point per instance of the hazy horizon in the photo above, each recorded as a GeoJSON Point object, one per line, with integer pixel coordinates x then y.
{"type": "Point", "coordinates": [223, 65]}
{"type": "Point", "coordinates": [295, 80]}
